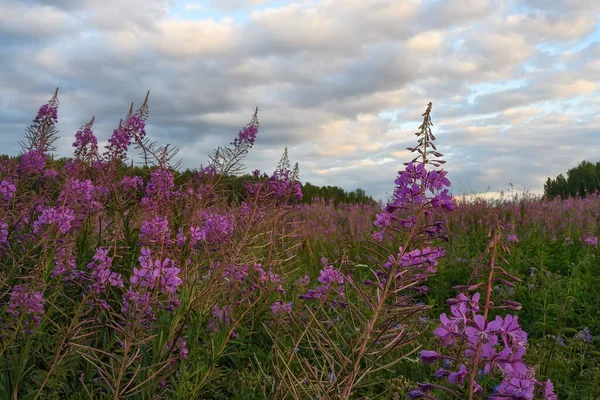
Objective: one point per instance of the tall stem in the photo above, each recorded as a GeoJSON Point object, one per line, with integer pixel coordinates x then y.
{"type": "Point", "coordinates": [496, 232]}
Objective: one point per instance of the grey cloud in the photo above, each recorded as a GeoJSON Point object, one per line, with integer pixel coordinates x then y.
{"type": "Point", "coordinates": [564, 6]}
{"type": "Point", "coordinates": [554, 27]}
{"type": "Point", "coordinates": [20, 23]}
{"type": "Point", "coordinates": [446, 13]}
{"type": "Point", "coordinates": [229, 5]}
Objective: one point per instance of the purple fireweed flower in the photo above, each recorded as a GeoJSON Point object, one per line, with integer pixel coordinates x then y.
{"type": "Point", "coordinates": [102, 304]}
{"type": "Point", "coordinates": [138, 305]}
{"type": "Point", "coordinates": [61, 217]}
{"type": "Point", "coordinates": [378, 236]}
{"type": "Point", "coordinates": [494, 360]}
{"type": "Point", "coordinates": [281, 308]}
{"type": "Point", "coordinates": [471, 305]}
{"type": "Point", "coordinates": [319, 292]}
{"type": "Point", "coordinates": [133, 128]}
{"type": "Point", "coordinates": [447, 329]}
{"type": "Point", "coordinates": [169, 277]}
{"type": "Point", "coordinates": [86, 143]}
{"type": "Point", "coordinates": [7, 191]}
{"type": "Point", "coordinates": [50, 174]}
{"type": "Point", "coordinates": [458, 377]}
{"type": "Point", "coordinates": [591, 241]}
{"type": "Point", "coordinates": [429, 357]}
{"type": "Point", "coordinates": [155, 231]}
{"type": "Point", "coordinates": [80, 195]}
{"type": "Point", "coordinates": [510, 331]}
{"type": "Point", "coordinates": [443, 200]}
{"type": "Point", "coordinates": [102, 276]}
{"type": "Point", "coordinates": [512, 238]}
{"type": "Point", "coordinates": [156, 272]}
{"type": "Point", "coordinates": [220, 316]}
{"type": "Point", "coordinates": [303, 281]}
{"type": "Point", "coordinates": [383, 220]}
{"type": "Point", "coordinates": [3, 235]}
{"type": "Point", "coordinates": [425, 258]}
{"type": "Point", "coordinates": [131, 182]}
{"type": "Point", "coordinates": [514, 365]}
{"type": "Point", "coordinates": [515, 389]}
{"type": "Point", "coordinates": [415, 394]}
{"type": "Point", "coordinates": [247, 135]}
{"type": "Point", "coordinates": [549, 391]}
{"type": "Point", "coordinates": [414, 181]}
{"type": "Point", "coordinates": [47, 111]}
{"type": "Point", "coordinates": [329, 275]}
{"type": "Point", "coordinates": [267, 277]}
{"type": "Point", "coordinates": [32, 162]}
{"type": "Point", "coordinates": [235, 273]}
{"type": "Point", "coordinates": [161, 181]}
{"type": "Point", "coordinates": [180, 347]}
{"type": "Point", "coordinates": [442, 373]}
{"type": "Point", "coordinates": [26, 302]}
{"type": "Point", "coordinates": [483, 332]}
{"type": "Point", "coordinates": [65, 261]}
{"type": "Point", "coordinates": [181, 238]}
{"type": "Point", "coordinates": [559, 339]}
{"type": "Point", "coordinates": [197, 234]}
{"type": "Point", "coordinates": [284, 187]}
{"type": "Point", "coordinates": [218, 228]}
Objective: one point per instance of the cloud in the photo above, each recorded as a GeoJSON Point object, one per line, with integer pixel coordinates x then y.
{"type": "Point", "coordinates": [342, 83]}
{"type": "Point", "coordinates": [193, 7]}
{"type": "Point", "coordinates": [192, 39]}
{"type": "Point", "coordinates": [230, 5]}
{"type": "Point", "coordinates": [35, 22]}
{"type": "Point", "coordinates": [554, 27]}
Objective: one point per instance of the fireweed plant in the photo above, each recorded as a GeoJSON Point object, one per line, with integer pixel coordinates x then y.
{"type": "Point", "coordinates": [143, 282]}
{"type": "Point", "coordinates": [479, 350]}
{"type": "Point", "coordinates": [116, 280]}
{"type": "Point", "coordinates": [345, 334]}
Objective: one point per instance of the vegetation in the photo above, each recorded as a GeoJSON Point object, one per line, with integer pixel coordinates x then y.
{"type": "Point", "coordinates": [143, 283]}
{"type": "Point", "coordinates": [580, 181]}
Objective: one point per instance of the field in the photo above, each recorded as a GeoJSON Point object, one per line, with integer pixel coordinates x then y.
{"type": "Point", "coordinates": [120, 282]}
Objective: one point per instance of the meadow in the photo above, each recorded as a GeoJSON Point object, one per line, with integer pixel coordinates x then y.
{"type": "Point", "coordinates": [120, 282]}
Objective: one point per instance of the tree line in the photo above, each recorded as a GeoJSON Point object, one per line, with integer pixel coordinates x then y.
{"type": "Point", "coordinates": [580, 180]}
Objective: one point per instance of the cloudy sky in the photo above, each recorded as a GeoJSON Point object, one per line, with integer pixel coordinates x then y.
{"type": "Point", "coordinates": [341, 83]}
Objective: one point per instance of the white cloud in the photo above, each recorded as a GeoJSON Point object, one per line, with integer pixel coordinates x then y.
{"type": "Point", "coordinates": [193, 7]}
{"type": "Point", "coordinates": [192, 39]}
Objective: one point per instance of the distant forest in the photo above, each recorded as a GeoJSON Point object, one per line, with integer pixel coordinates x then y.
{"type": "Point", "coordinates": [310, 192]}
{"type": "Point", "coordinates": [580, 181]}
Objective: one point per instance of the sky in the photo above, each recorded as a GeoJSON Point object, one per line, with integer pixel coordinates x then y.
{"type": "Point", "coordinates": [341, 83]}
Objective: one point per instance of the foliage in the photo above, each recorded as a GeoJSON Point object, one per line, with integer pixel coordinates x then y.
{"type": "Point", "coordinates": [580, 181]}
{"type": "Point", "coordinates": [143, 282]}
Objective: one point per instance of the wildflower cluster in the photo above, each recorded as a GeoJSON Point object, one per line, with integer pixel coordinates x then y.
{"type": "Point", "coordinates": [26, 305]}
{"type": "Point", "coordinates": [59, 217]}
{"type": "Point", "coordinates": [329, 277]}
{"type": "Point", "coordinates": [482, 346]}
{"type": "Point", "coordinates": [101, 275]}
{"type": "Point", "coordinates": [134, 128]}
{"type": "Point", "coordinates": [86, 143]}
